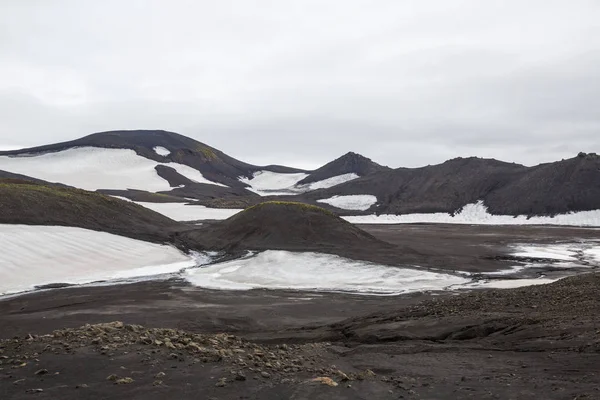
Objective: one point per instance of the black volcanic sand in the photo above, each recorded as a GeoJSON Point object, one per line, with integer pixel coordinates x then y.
{"type": "Point", "coordinates": [536, 342]}
{"type": "Point", "coordinates": [277, 225]}
{"type": "Point", "coordinates": [527, 343]}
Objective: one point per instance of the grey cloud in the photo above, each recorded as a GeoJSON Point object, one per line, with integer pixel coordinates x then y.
{"type": "Point", "coordinates": [302, 82]}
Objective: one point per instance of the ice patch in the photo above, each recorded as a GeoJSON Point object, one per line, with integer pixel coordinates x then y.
{"type": "Point", "coordinates": [94, 168]}
{"type": "Point", "coordinates": [360, 202]}
{"type": "Point", "coordinates": [477, 214]}
{"type": "Point", "coordinates": [183, 212]}
{"type": "Point", "coordinates": [161, 151]}
{"type": "Point", "coordinates": [41, 255]}
{"type": "Point", "coordinates": [317, 272]}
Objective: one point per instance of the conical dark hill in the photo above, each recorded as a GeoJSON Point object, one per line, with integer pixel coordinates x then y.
{"type": "Point", "coordinates": [281, 225]}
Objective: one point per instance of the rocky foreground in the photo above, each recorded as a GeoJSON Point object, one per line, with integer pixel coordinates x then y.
{"type": "Point", "coordinates": [540, 342]}
{"type": "Point", "coordinates": [93, 360]}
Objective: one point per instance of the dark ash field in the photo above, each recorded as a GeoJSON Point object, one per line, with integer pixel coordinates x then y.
{"type": "Point", "coordinates": [177, 341]}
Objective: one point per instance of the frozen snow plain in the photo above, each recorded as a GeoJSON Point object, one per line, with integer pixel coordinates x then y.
{"type": "Point", "coordinates": [93, 168]}
{"type": "Point", "coordinates": [41, 255]}
{"type": "Point", "coordinates": [275, 269]}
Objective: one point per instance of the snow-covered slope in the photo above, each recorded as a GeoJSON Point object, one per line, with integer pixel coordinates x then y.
{"type": "Point", "coordinates": [39, 255]}
{"type": "Point", "coordinates": [359, 202]}
{"type": "Point", "coordinates": [94, 168]}
{"type": "Point", "coordinates": [477, 214]}
{"type": "Point", "coordinates": [319, 272]}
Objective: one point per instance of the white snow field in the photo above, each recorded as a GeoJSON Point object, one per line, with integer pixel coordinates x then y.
{"type": "Point", "coordinates": [267, 183]}
{"type": "Point", "coordinates": [359, 202]}
{"type": "Point", "coordinates": [94, 168]}
{"type": "Point", "coordinates": [477, 214]}
{"type": "Point", "coordinates": [183, 212]}
{"type": "Point", "coordinates": [161, 151]}
{"type": "Point", "coordinates": [316, 272]}
{"type": "Point", "coordinates": [39, 255]}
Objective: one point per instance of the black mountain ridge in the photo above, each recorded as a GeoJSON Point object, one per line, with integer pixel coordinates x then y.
{"type": "Point", "coordinates": [505, 188]}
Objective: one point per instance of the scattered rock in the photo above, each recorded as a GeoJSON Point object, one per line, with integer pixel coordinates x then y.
{"type": "Point", "coordinates": [35, 390]}
{"type": "Point", "coordinates": [82, 386]}
{"type": "Point", "coordinates": [221, 382]}
{"type": "Point", "coordinates": [41, 372]}
{"type": "Point", "coordinates": [239, 376]}
{"type": "Point", "coordinates": [112, 377]}
{"type": "Point", "coordinates": [265, 374]}
{"type": "Point", "coordinates": [343, 377]}
{"type": "Point", "coordinates": [160, 375]}
{"type": "Point", "coordinates": [124, 381]}
{"type": "Point", "coordinates": [324, 380]}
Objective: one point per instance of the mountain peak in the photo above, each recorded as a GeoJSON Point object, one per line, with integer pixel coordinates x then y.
{"type": "Point", "coordinates": [349, 163]}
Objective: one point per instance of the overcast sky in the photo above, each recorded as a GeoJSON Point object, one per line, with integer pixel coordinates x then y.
{"type": "Point", "coordinates": [406, 83]}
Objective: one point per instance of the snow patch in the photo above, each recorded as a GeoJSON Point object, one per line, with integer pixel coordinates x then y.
{"type": "Point", "coordinates": [41, 255]}
{"type": "Point", "coordinates": [326, 183]}
{"type": "Point", "coordinates": [593, 253]}
{"type": "Point", "coordinates": [267, 183]}
{"type": "Point", "coordinates": [161, 151]}
{"type": "Point", "coordinates": [509, 283]}
{"type": "Point", "coordinates": [94, 168]}
{"type": "Point", "coordinates": [317, 272]}
{"type": "Point", "coordinates": [184, 212]}
{"type": "Point", "coordinates": [360, 202]}
{"type": "Point", "coordinates": [477, 214]}
{"type": "Point", "coordinates": [562, 252]}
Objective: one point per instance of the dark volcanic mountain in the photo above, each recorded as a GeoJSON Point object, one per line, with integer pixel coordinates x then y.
{"type": "Point", "coordinates": [510, 189]}
{"type": "Point", "coordinates": [349, 163]}
{"type": "Point", "coordinates": [505, 188]}
{"type": "Point", "coordinates": [24, 202]}
{"type": "Point", "coordinates": [212, 163]}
